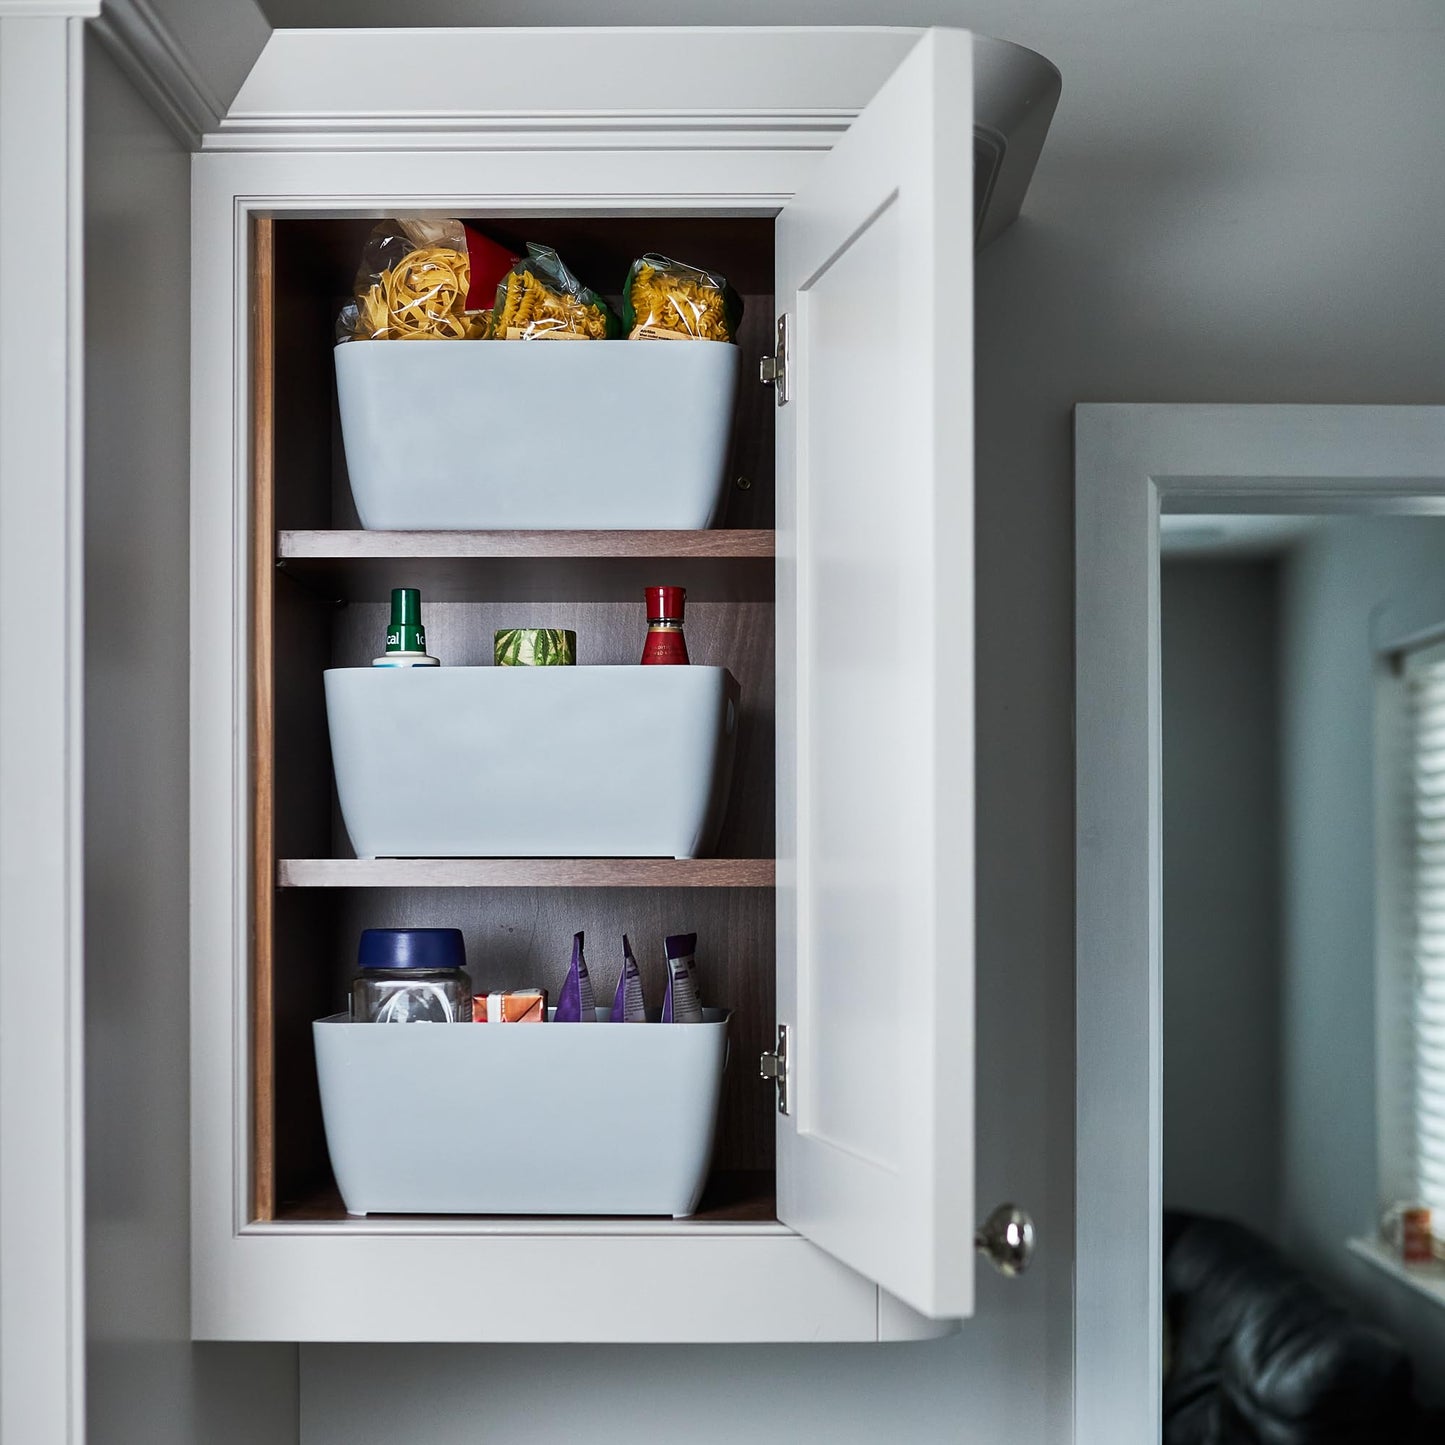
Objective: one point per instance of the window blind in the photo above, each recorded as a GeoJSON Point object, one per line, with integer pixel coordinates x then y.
{"type": "Point", "coordinates": [1423, 934]}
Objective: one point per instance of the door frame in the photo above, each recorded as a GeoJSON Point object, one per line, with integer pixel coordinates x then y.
{"type": "Point", "coordinates": [1133, 462]}
{"type": "Point", "coordinates": [42, 1224]}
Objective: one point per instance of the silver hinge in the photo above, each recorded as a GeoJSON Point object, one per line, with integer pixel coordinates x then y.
{"type": "Point", "coordinates": [774, 1066]}
{"type": "Point", "coordinates": [773, 370]}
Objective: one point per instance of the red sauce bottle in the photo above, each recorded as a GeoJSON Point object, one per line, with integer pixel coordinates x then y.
{"type": "Point", "coordinates": [665, 642]}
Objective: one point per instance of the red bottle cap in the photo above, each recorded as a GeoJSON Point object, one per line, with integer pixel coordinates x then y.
{"type": "Point", "coordinates": [665, 602]}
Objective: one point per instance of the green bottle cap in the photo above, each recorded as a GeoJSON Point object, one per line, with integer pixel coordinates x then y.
{"type": "Point", "coordinates": [405, 633]}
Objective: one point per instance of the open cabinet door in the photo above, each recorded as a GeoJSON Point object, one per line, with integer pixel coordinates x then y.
{"type": "Point", "coordinates": [875, 689]}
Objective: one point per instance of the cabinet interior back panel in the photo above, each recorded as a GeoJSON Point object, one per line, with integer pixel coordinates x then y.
{"type": "Point", "coordinates": [514, 936]}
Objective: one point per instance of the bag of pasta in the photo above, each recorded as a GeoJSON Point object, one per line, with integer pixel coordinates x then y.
{"type": "Point", "coordinates": [423, 280]}
{"type": "Point", "coordinates": [541, 300]}
{"type": "Point", "coordinates": [666, 300]}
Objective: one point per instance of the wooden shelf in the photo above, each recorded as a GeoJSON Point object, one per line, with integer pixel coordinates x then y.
{"type": "Point", "coordinates": [720, 565]}
{"type": "Point", "coordinates": [525, 873]}
{"type": "Point", "coordinates": [716, 542]}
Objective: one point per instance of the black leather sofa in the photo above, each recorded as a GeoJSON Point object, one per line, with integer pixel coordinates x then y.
{"type": "Point", "coordinates": [1257, 1355]}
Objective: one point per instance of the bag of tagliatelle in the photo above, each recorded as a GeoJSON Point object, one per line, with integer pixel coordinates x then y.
{"type": "Point", "coordinates": [424, 280]}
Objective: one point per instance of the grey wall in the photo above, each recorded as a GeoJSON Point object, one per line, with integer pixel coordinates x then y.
{"type": "Point", "coordinates": [1222, 967]}
{"type": "Point", "coordinates": [145, 1381]}
{"type": "Point", "coordinates": [1333, 587]}
{"type": "Point", "coordinates": [1238, 202]}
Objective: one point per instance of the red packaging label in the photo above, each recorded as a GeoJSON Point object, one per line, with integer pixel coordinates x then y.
{"type": "Point", "coordinates": [489, 262]}
{"type": "Point", "coordinates": [665, 645]}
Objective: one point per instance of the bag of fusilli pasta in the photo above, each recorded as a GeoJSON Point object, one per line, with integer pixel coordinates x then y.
{"type": "Point", "coordinates": [539, 299]}
{"type": "Point", "coordinates": [424, 280]}
{"type": "Point", "coordinates": [667, 300]}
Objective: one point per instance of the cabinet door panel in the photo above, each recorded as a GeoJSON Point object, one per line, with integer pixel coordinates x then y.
{"type": "Point", "coordinates": [875, 658]}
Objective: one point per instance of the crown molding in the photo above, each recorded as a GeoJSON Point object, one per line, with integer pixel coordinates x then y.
{"type": "Point", "coordinates": [347, 90]}
{"type": "Point", "coordinates": [572, 130]}
{"type": "Point", "coordinates": [144, 48]}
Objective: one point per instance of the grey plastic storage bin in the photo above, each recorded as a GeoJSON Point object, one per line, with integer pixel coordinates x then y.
{"type": "Point", "coordinates": [547, 1118]}
{"type": "Point", "coordinates": [532, 762]}
{"type": "Point", "coordinates": [496, 435]}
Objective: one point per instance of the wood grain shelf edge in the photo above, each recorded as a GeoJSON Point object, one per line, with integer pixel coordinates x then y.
{"type": "Point", "coordinates": [525, 873]}
{"type": "Point", "coordinates": [334, 545]}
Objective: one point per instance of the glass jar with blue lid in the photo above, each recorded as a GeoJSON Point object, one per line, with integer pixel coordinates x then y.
{"type": "Point", "coordinates": [411, 976]}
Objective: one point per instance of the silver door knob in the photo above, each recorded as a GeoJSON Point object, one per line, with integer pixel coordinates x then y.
{"type": "Point", "coordinates": [1007, 1238]}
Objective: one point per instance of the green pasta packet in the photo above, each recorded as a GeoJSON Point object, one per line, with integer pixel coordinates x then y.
{"type": "Point", "coordinates": [535, 647]}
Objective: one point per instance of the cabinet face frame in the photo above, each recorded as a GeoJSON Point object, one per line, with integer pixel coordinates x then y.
{"type": "Point", "coordinates": [258, 1281]}
{"type": "Point", "coordinates": [267, 1280]}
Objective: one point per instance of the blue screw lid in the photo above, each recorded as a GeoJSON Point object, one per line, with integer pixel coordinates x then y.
{"type": "Point", "coordinates": [411, 948]}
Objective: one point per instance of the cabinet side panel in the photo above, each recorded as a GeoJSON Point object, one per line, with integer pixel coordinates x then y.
{"type": "Point", "coordinates": [293, 405]}
{"type": "Point", "coordinates": [263, 751]}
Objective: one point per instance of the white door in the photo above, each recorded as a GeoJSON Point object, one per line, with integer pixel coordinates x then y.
{"type": "Point", "coordinates": [875, 689]}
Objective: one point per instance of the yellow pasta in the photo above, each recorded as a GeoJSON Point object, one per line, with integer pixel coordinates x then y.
{"type": "Point", "coordinates": [528, 307]}
{"type": "Point", "coordinates": [422, 297]}
{"type": "Point", "coordinates": [667, 298]}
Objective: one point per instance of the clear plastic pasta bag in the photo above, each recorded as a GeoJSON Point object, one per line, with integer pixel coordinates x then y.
{"type": "Point", "coordinates": [667, 300]}
{"type": "Point", "coordinates": [539, 299]}
{"type": "Point", "coordinates": [423, 280]}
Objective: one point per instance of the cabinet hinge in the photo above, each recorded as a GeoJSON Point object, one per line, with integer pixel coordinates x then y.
{"type": "Point", "coordinates": [773, 370]}
{"type": "Point", "coordinates": [774, 1066]}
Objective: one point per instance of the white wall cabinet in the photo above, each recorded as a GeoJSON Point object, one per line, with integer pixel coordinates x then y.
{"type": "Point", "coordinates": [830, 174]}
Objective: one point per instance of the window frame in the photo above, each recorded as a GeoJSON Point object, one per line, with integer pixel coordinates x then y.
{"type": "Point", "coordinates": [1400, 633]}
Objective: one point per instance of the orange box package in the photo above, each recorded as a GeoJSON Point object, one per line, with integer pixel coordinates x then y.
{"type": "Point", "coordinates": [524, 1006]}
